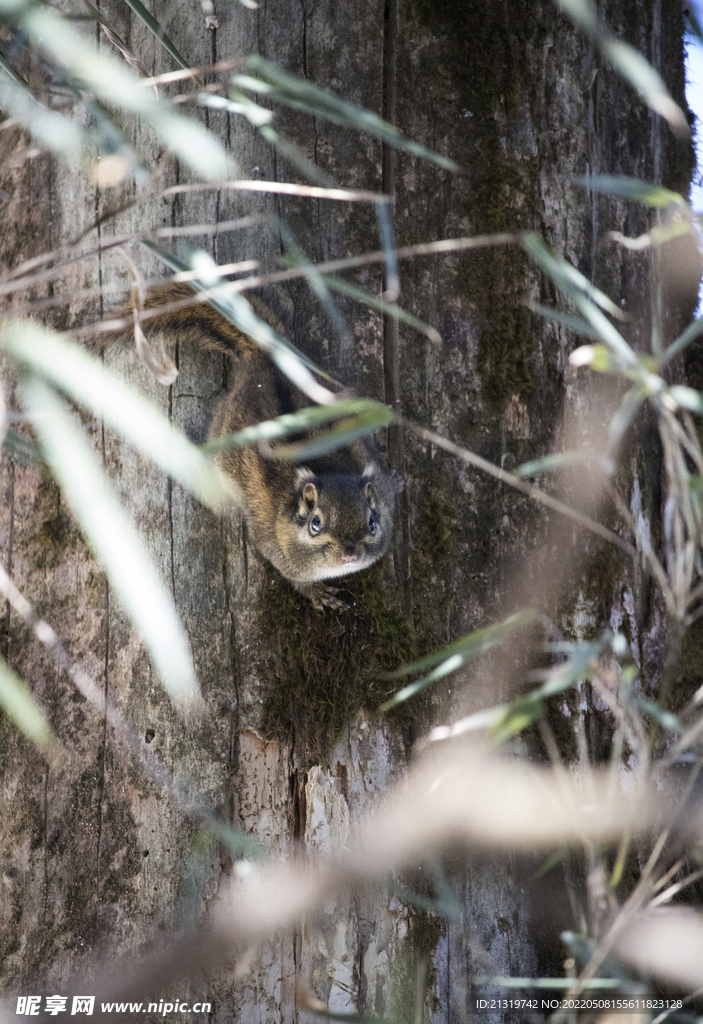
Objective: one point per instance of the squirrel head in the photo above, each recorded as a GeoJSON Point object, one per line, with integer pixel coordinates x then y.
{"type": "Point", "coordinates": [341, 522]}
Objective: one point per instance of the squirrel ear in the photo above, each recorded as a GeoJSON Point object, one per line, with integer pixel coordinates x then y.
{"type": "Point", "coordinates": [367, 478]}
{"type": "Point", "coordinates": [305, 482]}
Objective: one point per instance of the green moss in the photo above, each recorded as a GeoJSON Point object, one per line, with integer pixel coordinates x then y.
{"type": "Point", "coordinates": [326, 665]}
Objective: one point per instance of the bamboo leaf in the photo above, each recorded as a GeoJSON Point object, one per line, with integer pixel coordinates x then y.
{"type": "Point", "coordinates": [154, 26]}
{"type": "Point", "coordinates": [628, 62]}
{"type": "Point", "coordinates": [388, 308]}
{"type": "Point", "coordinates": [693, 331]}
{"type": "Point", "coordinates": [572, 323]}
{"type": "Point", "coordinates": [649, 84]}
{"type": "Point", "coordinates": [348, 430]}
{"type": "Point", "coordinates": [686, 398]}
{"type": "Point", "coordinates": [563, 460]}
{"type": "Point", "coordinates": [112, 83]}
{"type": "Point", "coordinates": [235, 308]}
{"type": "Point", "coordinates": [632, 188]}
{"type": "Point", "coordinates": [296, 422]}
{"type": "Point", "coordinates": [450, 658]}
{"type": "Point", "coordinates": [19, 705]}
{"type": "Point", "coordinates": [86, 380]}
{"type": "Point", "coordinates": [113, 539]}
{"type": "Point", "coordinates": [586, 297]}
{"type": "Point", "coordinates": [302, 95]}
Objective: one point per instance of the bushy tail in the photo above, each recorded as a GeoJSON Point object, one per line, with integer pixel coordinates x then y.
{"type": "Point", "coordinates": [184, 316]}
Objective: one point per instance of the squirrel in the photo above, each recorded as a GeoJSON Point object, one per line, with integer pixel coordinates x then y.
{"type": "Point", "coordinates": [326, 519]}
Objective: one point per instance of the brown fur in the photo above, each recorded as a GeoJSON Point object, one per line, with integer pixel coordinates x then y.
{"type": "Point", "coordinates": [332, 517]}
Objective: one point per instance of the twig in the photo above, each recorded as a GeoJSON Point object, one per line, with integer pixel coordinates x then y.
{"type": "Point", "coordinates": [520, 485]}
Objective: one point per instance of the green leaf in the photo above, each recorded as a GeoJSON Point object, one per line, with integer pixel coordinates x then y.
{"type": "Point", "coordinates": [632, 188]}
{"type": "Point", "coordinates": [353, 410]}
{"type": "Point", "coordinates": [665, 718]}
{"type": "Point", "coordinates": [626, 412]}
{"type": "Point", "coordinates": [85, 379]}
{"type": "Point", "coordinates": [19, 705]}
{"type": "Point", "coordinates": [686, 398]}
{"type": "Point", "coordinates": [154, 26]}
{"type": "Point", "coordinates": [296, 257]}
{"type": "Point", "coordinates": [562, 460]}
{"type": "Point", "coordinates": [48, 127]}
{"type": "Point", "coordinates": [633, 67]}
{"type": "Point", "coordinates": [112, 83]}
{"type": "Point", "coordinates": [113, 539]}
{"type": "Point", "coordinates": [235, 308]}
{"type": "Point", "coordinates": [693, 331]}
{"type": "Point", "coordinates": [572, 323]}
{"type": "Point", "coordinates": [388, 308]}
{"type": "Point", "coordinates": [450, 658]}
{"type": "Point", "coordinates": [628, 62]}
{"type": "Point", "coordinates": [586, 297]}
{"type": "Point", "coordinates": [303, 95]}
{"type": "Point", "coordinates": [550, 983]}
{"type": "Point", "coordinates": [348, 430]}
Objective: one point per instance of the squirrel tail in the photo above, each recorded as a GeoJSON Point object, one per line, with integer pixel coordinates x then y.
{"type": "Point", "coordinates": [182, 314]}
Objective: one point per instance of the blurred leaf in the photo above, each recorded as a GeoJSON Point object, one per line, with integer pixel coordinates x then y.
{"type": "Point", "coordinates": [86, 380]}
{"type": "Point", "coordinates": [388, 308]}
{"type": "Point", "coordinates": [295, 422]}
{"type": "Point", "coordinates": [48, 127]}
{"type": "Point", "coordinates": [632, 188]}
{"type": "Point", "coordinates": [19, 705]}
{"type": "Point", "coordinates": [649, 84]}
{"type": "Point", "coordinates": [235, 308]}
{"type": "Point", "coordinates": [554, 983]}
{"type": "Point", "coordinates": [350, 1018]}
{"type": "Point", "coordinates": [113, 539]}
{"type": "Point", "coordinates": [260, 117]}
{"type": "Point", "coordinates": [586, 297]}
{"type": "Point", "coordinates": [564, 275]}
{"type": "Point", "coordinates": [303, 95]}
{"type": "Point", "coordinates": [390, 259]}
{"type": "Point", "coordinates": [296, 257]}
{"type": "Point", "coordinates": [628, 62]}
{"type": "Point", "coordinates": [348, 430]}
{"type": "Point", "coordinates": [693, 26]}
{"type": "Point", "coordinates": [154, 26]}
{"type": "Point", "coordinates": [563, 460]}
{"type": "Point", "coordinates": [693, 331]}
{"type": "Point", "coordinates": [101, 74]}
{"type": "Point", "coordinates": [625, 413]}
{"type": "Point", "coordinates": [686, 398]}
{"type": "Point", "coordinates": [664, 718]}
{"type": "Point", "coordinates": [572, 323]}
{"type": "Point", "coordinates": [457, 654]}
{"type": "Point", "coordinates": [658, 235]}
{"type": "Point", "coordinates": [22, 449]}
{"type": "Point", "coordinates": [521, 713]}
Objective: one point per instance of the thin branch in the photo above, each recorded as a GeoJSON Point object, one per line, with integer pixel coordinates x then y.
{"type": "Point", "coordinates": [520, 485]}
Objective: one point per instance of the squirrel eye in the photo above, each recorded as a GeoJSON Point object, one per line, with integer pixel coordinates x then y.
{"type": "Point", "coordinates": [315, 524]}
{"type": "Point", "coordinates": [372, 525]}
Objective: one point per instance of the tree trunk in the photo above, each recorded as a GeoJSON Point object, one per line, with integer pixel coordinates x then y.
{"type": "Point", "coordinates": [97, 859]}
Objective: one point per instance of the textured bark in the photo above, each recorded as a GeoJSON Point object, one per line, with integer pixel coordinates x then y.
{"type": "Point", "coordinates": [96, 859]}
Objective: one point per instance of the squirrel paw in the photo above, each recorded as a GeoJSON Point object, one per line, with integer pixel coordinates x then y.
{"type": "Point", "coordinates": [322, 597]}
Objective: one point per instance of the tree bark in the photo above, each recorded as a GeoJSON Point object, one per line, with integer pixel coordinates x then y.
{"type": "Point", "coordinates": [97, 859]}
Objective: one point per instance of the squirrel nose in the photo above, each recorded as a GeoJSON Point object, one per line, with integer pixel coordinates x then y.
{"type": "Point", "coordinates": [349, 553]}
